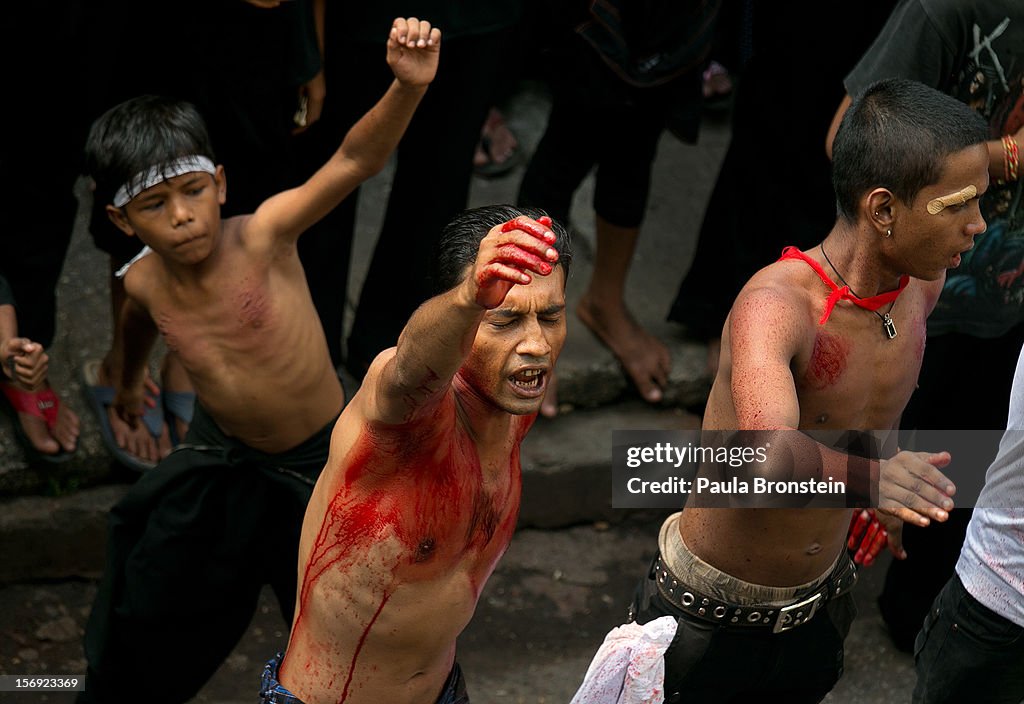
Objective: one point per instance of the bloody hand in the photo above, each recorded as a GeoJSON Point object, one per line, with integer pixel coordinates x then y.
{"type": "Point", "coordinates": [866, 537]}
{"type": "Point", "coordinates": [508, 253]}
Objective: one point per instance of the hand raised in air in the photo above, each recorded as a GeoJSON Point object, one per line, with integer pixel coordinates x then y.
{"type": "Point", "coordinates": [413, 50]}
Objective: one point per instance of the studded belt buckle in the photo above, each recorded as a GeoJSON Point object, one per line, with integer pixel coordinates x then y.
{"type": "Point", "coordinates": [796, 614]}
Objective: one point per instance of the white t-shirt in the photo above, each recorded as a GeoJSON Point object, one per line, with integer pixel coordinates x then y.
{"type": "Point", "coordinates": [991, 563]}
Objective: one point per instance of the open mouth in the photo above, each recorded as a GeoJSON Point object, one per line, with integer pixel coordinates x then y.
{"type": "Point", "coordinates": [529, 382]}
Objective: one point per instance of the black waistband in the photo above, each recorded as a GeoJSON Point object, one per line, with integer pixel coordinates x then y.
{"type": "Point", "coordinates": [305, 459]}
{"type": "Point", "coordinates": [775, 618]}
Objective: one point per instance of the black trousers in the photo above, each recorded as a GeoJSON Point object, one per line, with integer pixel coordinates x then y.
{"type": "Point", "coordinates": [599, 120]}
{"type": "Point", "coordinates": [190, 548]}
{"type": "Point", "coordinates": [968, 653]}
{"type": "Point", "coordinates": [776, 149]}
{"type": "Point", "coordinates": [430, 183]}
{"type": "Point", "coordinates": [711, 664]}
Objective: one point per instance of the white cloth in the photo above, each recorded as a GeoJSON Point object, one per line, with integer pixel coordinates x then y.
{"type": "Point", "coordinates": [991, 563]}
{"type": "Point", "coordinates": [124, 270]}
{"type": "Point", "coordinates": [629, 667]}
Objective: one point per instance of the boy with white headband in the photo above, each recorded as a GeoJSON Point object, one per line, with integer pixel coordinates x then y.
{"type": "Point", "coordinates": [195, 539]}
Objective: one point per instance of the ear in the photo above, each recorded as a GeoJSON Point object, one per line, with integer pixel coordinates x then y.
{"type": "Point", "coordinates": [881, 209]}
{"type": "Point", "coordinates": [118, 217]}
{"type": "Point", "coordinates": [220, 179]}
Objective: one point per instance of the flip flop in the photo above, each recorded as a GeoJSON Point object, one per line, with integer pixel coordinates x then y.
{"type": "Point", "coordinates": [99, 398]}
{"type": "Point", "coordinates": [178, 405]}
{"type": "Point", "coordinates": [493, 169]}
{"type": "Point", "coordinates": [41, 404]}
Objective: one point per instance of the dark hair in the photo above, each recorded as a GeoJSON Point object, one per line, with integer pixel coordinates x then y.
{"type": "Point", "coordinates": [460, 241]}
{"type": "Point", "coordinates": [897, 135]}
{"type": "Point", "coordinates": [138, 134]}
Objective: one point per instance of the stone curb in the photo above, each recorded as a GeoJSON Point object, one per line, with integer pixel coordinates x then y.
{"type": "Point", "coordinates": [587, 379]}
{"type": "Point", "coordinates": [566, 481]}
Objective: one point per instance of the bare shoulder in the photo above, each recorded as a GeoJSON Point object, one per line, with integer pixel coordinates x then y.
{"type": "Point", "coordinates": [370, 397]}
{"type": "Point", "coordinates": [252, 235]}
{"type": "Point", "coordinates": [771, 320]}
{"type": "Point", "coordinates": [244, 231]}
{"type": "Point", "coordinates": [145, 279]}
{"type": "Point", "coordinates": [777, 295]}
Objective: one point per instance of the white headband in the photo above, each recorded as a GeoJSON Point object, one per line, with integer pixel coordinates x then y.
{"type": "Point", "coordinates": [157, 174]}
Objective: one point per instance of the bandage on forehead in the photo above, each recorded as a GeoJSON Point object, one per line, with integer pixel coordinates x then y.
{"type": "Point", "coordinates": [157, 174]}
{"type": "Point", "coordinates": [937, 205]}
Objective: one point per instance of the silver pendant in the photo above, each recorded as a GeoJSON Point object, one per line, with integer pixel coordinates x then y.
{"type": "Point", "coordinates": [889, 326]}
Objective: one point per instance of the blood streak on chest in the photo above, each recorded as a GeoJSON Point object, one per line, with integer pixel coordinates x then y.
{"type": "Point", "coordinates": [427, 494]}
{"type": "Point", "coordinates": [828, 360]}
{"type": "Point", "coordinates": [252, 307]}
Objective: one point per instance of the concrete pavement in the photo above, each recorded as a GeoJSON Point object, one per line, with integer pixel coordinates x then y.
{"type": "Point", "coordinates": [541, 618]}
{"type": "Point", "coordinates": [570, 571]}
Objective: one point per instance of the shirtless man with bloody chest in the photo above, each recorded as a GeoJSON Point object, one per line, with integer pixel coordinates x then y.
{"type": "Point", "coordinates": [420, 495]}
{"type": "Point", "coordinates": [829, 339]}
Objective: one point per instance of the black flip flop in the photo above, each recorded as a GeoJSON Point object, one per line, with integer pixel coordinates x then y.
{"type": "Point", "coordinates": [99, 398]}
{"type": "Point", "coordinates": [493, 169]}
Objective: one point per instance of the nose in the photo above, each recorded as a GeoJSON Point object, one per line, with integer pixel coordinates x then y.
{"type": "Point", "coordinates": [181, 212]}
{"type": "Point", "coordinates": [977, 225]}
{"type": "Point", "coordinates": [534, 342]}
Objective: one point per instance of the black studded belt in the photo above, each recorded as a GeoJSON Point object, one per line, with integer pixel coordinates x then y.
{"type": "Point", "coordinates": [776, 618]}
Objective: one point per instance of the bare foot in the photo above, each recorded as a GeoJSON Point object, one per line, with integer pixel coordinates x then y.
{"type": "Point", "coordinates": [497, 146]}
{"type": "Point", "coordinates": [65, 430]}
{"type": "Point", "coordinates": [137, 441]}
{"type": "Point", "coordinates": [644, 357]}
{"type": "Point", "coordinates": [63, 436]}
{"type": "Point", "coordinates": [717, 81]}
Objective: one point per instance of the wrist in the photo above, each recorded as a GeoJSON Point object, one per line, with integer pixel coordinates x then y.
{"type": "Point", "coordinates": [129, 377]}
{"type": "Point", "coordinates": [410, 88]}
{"type": "Point", "coordinates": [466, 296]}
